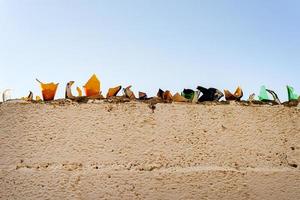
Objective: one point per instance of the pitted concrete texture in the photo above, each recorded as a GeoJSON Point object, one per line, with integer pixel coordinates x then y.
{"type": "Point", "coordinates": [126, 151]}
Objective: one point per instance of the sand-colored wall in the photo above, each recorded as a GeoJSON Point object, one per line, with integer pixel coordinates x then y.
{"type": "Point", "coordinates": [124, 151]}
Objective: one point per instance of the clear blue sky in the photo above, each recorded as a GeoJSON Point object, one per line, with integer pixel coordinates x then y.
{"type": "Point", "coordinates": [169, 44]}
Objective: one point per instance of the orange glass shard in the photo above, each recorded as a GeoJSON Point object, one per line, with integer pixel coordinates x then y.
{"type": "Point", "coordinates": [48, 90]}
{"type": "Point", "coordinates": [79, 91]}
{"type": "Point", "coordinates": [92, 87]}
{"type": "Point", "coordinates": [178, 98]}
{"type": "Point", "coordinates": [113, 91]}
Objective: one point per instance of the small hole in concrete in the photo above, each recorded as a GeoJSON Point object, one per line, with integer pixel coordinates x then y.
{"type": "Point", "coordinates": [293, 165]}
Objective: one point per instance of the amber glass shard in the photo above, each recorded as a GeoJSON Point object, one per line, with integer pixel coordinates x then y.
{"type": "Point", "coordinates": [79, 91]}
{"type": "Point", "coordinates": [48, 90]}
{"type": "Point", "coordinates": [113, 91]}
{"type": "Point", "coordinates": [38, 98]}
{"type": "Point", "coordinates": [92, 87]}
{"type": "Point", "coordinates": [238, 93]}
{"type": "Point", "coordinates": [178, 98]}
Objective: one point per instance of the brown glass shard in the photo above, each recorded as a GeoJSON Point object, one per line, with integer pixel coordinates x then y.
{"type": "Point", "coordinates": [30, 96]}
{"type": "Point", "coordinates": [142, 96]}
{"type": "Point", "coordinates": [167, 96]}
{"type": "Point", "coordinates": [160, 93]}
{"type": "Point", "coordinates": [229, 96]}
{"type": "Point", "coordinates": [68, 92]}
{"type": "Point", "coordinates": [238, 94]}
{"type": "Point", "coordinates": [164, 95]}
{"type": "Point", "coordinates": [129, 93]}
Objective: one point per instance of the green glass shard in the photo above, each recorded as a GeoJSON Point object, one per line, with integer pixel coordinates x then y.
{"type": "Point", "coordinates": [189, 96]}
{"type": "Point", "coordinates": [263, 95]}
{"type": "Point", "coordinates": [291, 93]}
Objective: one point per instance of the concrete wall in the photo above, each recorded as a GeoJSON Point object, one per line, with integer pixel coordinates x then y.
{"type": "Point", "coordinates": [125, 151]}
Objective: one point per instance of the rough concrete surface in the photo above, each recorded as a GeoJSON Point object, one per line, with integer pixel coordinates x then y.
{"type": "Point", "coordinates": [126, 151]}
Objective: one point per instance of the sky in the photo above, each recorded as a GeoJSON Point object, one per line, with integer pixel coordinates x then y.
{"type": "Point", "coordinates": [150, 44]}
